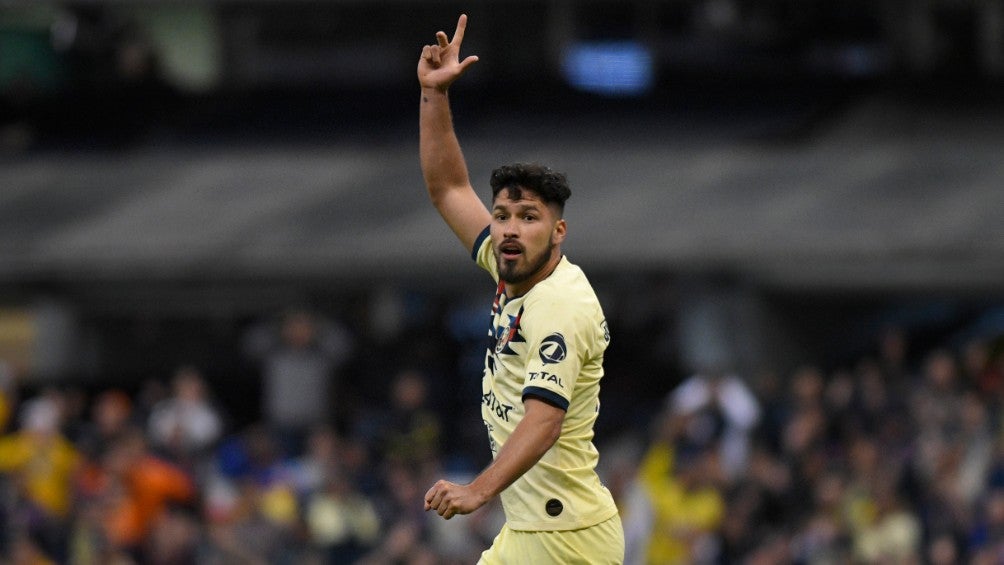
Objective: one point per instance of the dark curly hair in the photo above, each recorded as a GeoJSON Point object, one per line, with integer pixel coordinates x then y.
{"type": "Point", "coordinates": [551, 186]}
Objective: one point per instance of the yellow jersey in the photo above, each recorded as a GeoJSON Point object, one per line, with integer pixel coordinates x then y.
{"type": "Point", "coordinates": [680, 513]}
{"type": "Point", "coordinates": [549, 344]}
{"type": "Point", "coordinates": [45, 464]}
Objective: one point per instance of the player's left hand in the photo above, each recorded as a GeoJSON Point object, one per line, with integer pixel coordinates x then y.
{"type": "Point", "coordinates": [449, 499]}
{"type": "Point", "coordinates": [440, 64]}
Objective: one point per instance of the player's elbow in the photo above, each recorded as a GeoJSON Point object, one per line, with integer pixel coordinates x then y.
{"type": "Point", "coordinates": [439, 193]}
{"type": "Point", "coordinates": [438, 197]}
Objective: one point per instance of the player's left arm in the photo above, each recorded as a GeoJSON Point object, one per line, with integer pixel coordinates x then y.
{"type": "Point", "coordinates": [533, 436]}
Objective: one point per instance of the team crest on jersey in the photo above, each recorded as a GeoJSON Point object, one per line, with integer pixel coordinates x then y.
{"type": "Point", "coordinates": [553, 349]}
{"type": "Point", "coordinates": [502, 343]}
{"type": "Point", "coordinates": [504, 335]}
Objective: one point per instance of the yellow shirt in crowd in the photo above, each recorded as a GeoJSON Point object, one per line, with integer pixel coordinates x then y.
{"type": "Point", "coordinates": [680, 513]}
{"type": "Point", "coordinates": [44, 464]}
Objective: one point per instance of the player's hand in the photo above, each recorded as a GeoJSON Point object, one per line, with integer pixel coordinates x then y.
{"type": "Point", "coordinates": [440, 64]}
{"type": "Point", "coordinates": [449, 499]}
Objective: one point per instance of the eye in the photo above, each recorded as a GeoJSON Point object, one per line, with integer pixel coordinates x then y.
{"type": "Point", "coordinates": [500, 217]}
{"type": "Point", "coordinates": [529, 217]}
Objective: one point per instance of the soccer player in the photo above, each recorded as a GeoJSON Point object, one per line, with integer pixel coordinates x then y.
{"type": "Point", "coordinates": [540, 389]}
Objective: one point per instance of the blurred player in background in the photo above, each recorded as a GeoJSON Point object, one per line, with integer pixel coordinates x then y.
{"type": "Point", "coordinates": [540, 389]}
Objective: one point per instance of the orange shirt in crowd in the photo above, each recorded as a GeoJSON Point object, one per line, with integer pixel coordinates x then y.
{"type": "Point", "coordinates": [147, 488]}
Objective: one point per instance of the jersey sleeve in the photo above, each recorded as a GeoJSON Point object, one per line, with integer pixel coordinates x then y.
{"type": "Point", "coordinates": [482, 254]}
{"type": "Point", "coordinates": [556, 347]}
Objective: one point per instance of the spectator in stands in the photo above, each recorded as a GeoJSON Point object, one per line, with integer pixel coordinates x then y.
{"type": "Point", "coordinates": [299, 363]}
{"type": "Point", "coordinates": [684, 494]}
{"type": "Point", "coordinates": [111, 417]}
{"type": "Point", "coordinates": [406, 533]}
{"type": "Point", "coordinates": [252, 454]}
{"type": "Point", "coordinates": [246, 534]}
{"type": "Point", "coordinates": [759, 505]}
{"type": "Point", "coordinates": [981, 372]}
{"type": "Point", "coordinates": [186, 424]}
{"type": "Point", "coordinates": [342, 522]}
{"type": "Point", "coordinates": [863, 458]}
{"type": "Point", "coordinates": [42, 465]}
{"type": "Point", "coordinates": [410, 431]}
{"type": "Point", "coordinates": [839, 399]}
{"type": "Point", "coordinates": [893, 348]}
{"type": "Point", "coordinates": [879, 409]}
{"type": "Point", "coordinates": [719, 410]}
{"type": "Point", "coordinates": [821, 536]}
{"type": "Point", "coordinates": [152, 391]}
{"type": "Point", "coordinates": [804, 427]}
{"type": "Point", "coordinates": [975, 449]}
{"type": "Point", "coordinates": [890, 532]}
{"type": "Point", "coordinates": [253, 500]}
{"type": "Point", "coordinates": [174, 539]}
{"type": "Point", "coordinates": [937, 408]}
{"type": "Point", "coordinates": [133, 490]}
{"type": "Point", "coordinates": [74, 413]}
{"type": "Point", "coordinates": [986, 536]}
{"type": "Point", "coordinates": [322, 457]}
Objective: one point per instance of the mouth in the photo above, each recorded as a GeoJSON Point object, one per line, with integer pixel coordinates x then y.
{"type": "Point", "coordinates": [510, 250]}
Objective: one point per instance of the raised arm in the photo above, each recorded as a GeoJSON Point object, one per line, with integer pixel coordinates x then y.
{"type": "Point", "coordinates": [443, 165]}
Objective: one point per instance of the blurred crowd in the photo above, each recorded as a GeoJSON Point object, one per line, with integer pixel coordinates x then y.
{"type": "Point", "coordinates": [896, 458]}
{"type": "Point", "coordinates": [163, 474]}
{"type": "Point", "coordinates": [881, 462]}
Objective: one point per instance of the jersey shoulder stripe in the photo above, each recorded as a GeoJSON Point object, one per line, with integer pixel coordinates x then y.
{"type": "Point", "coordinates": [548, 396]}
{"type": "Point", "coordinates": [478, 242]}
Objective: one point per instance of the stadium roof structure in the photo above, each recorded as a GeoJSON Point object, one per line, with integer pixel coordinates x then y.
{"type": "Point", "coordinates": [883, 194]}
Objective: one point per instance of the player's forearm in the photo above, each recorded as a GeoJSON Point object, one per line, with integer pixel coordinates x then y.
{"type": "Point", "coordinates": [533, 436]}
{"type": "Point", "coordinates": [443, 165]}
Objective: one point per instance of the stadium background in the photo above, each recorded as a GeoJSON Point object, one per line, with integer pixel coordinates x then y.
{"type": "Point", "coordinates": [759, 186]}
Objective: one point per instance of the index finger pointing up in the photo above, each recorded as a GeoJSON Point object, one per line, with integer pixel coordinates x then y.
{"type": "Point", "coordinates": [458, 36]}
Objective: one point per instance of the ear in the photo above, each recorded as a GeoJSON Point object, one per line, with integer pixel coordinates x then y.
{"type": "Point", "coordinates": [559, 232]}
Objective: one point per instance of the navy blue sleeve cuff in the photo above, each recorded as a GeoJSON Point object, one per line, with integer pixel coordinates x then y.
{"type": "Point", "coordinates": [550, 397]}
{"type": "Point", "coordinates": [477, 243]}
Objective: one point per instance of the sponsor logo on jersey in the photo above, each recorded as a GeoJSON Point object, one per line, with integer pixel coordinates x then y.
{"type": "Point", "coordinates": [553, 349]}
{"type": "Point", "coordinates": [546, 377]}
{"type": "Point", "coordinates": [492, 403]}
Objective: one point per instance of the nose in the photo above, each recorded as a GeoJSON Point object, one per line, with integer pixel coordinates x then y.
{"type": "Point", "coordinates": [509, 228]}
